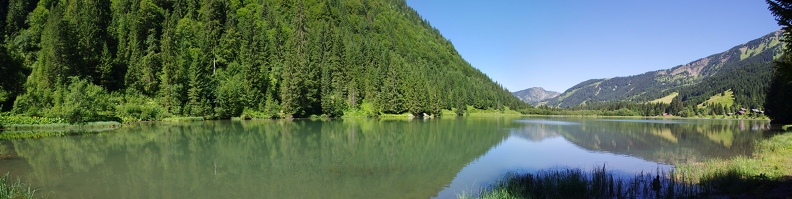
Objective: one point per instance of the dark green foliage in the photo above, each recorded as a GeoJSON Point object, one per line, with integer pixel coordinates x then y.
{"type": "Point", "coordinates": [220, 58]}
{"type": "Point", "coordinates": [779, 97]}
{"type": "Point", "coordinates": [84, 102]}
{"type": "Point", "coordinates": [13, 76]}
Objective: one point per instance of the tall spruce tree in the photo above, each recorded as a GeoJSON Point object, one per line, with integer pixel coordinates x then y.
{"type": "Point", "coordinates": [779, 98]}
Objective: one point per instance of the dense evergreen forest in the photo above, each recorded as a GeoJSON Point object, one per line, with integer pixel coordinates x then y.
{"type": "Point", "coordinates": [148, 59]}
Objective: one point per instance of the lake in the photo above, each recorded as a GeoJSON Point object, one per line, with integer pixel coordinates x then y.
{"type": "Point", "coordinates": [357, 158]}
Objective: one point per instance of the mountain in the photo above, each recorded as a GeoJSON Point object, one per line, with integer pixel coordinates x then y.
{"type": "Point", "coordinates": [535, 95]}
{"type": "Point", "coordinates": [745, 67]}
{"type": "Point", "coordinates": [148, 59]}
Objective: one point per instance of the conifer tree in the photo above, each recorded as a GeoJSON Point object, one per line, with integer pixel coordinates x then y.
{"type": "Point", "coordinates": [779, 98]}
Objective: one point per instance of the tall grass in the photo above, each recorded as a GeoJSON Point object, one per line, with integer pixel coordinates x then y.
{"type": "Point", "coordinates": [599, 183]}
{"type": "Point", "coordinates": [754, 176]}
{"type": "Point", "coordinates": [770, 163]}
{"type": "Point", "coordinates": [14, 189]}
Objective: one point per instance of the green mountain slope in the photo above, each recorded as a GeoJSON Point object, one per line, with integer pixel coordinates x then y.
{"type": "Point", "coordinates": [744, 69]}
{"type": "Point", "coordinates": [220, 58]}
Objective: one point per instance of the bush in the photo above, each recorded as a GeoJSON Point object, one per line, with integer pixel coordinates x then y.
{"type": "Point", "coordinates": [365, 109]}
{"type": "Point", "coordinates": [84, 102]}
{"type": "Point", "coordinates": [81, 101]}
{"type": "Point", "coordinates": [139, 108]}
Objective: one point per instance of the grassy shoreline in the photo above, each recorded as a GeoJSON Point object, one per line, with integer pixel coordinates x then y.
{"type": "Point", "coordinates": [767, 173]}
{"type": "Point", "coordinates": [768, 166]}
{"type": "Point", "coordinates": [24, 127]}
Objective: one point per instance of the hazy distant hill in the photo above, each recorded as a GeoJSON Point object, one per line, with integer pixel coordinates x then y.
{"type": "Point", "coordinates": [535, 95]}
{"type": "Point", "coordinates": [744, 68]}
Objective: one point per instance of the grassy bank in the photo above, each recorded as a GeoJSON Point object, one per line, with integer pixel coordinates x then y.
{"type": "Point", "coordinates": [62, 126]}
{"type": "Point", "coordinates": [769, 166]}
{"type": "Point", "coordinates": [24, 127]}
{"type": "Point", "coordinates": [183, 119]}
{"type": "Point", "coordinates": [10, 135]}
{"type": "Point", "coordinates": [14, 189]}
{"type": "Point", "coordinates": [765, 174]}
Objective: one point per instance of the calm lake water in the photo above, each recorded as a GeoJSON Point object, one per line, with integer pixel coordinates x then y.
{"type": "Point", "coordinates": [358, 158]}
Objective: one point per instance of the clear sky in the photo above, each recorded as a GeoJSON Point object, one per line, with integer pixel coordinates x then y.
{"type": "Point", "coordinates": [556, 44]}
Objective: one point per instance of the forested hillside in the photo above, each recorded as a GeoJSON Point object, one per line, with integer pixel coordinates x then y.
{"type": "Point", "coordinates": [147, 59]}
{"type": "Point", "coordinates": [748, 79]}
{"type": "Point", "coordinates": [745, 69]}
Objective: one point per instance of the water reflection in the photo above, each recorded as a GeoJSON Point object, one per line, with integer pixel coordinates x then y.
{"type": "Point", "coordinates": [670, 141]}
{"type": "Point", "coordinates": [355, 158]}
{"type": "Point", "coordinates": [623, 146]}
{"type": "Point", "coordinates": [258, 159]}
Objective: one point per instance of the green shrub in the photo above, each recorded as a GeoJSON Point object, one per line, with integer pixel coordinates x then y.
{"type": "Point", "coordinates": [84, 102]}
{"type": "Point", "coordinates": [365, 109]}
{"type": "Point", "coordinates": [139, 108]}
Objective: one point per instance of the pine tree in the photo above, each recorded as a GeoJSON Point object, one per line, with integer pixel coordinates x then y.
{"type": "Point", "coordinates": [779, 98]}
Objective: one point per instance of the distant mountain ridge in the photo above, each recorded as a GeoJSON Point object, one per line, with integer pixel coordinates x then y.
{"type": "Point", "coordinates": [535, 95]}
{"type": "Point", "coordinates": [758, 53]}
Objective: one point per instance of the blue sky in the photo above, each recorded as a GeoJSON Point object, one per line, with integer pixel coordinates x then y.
{"type": "Point", "coordinates": [556, 44]}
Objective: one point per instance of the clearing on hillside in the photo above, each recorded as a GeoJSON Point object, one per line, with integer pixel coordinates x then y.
{"type": "Point", "coordinates": [665, 100]}
{"type": "Point", "coordinates": [726, 99]}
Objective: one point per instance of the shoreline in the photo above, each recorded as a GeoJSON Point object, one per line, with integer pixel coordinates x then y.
{"type": "Point", "coordinates": [37, 129]}
{"type": "Point", "coordinates": [765, 173]}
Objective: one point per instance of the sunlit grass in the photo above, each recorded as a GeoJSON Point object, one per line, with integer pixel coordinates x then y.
{"type": "Point", "coordinates": [771, 161]}
{"type": "Point", "coordinates": [62, 126]}
{"type": "Point", "coordinates": [667, 99]}
{"type": "Point", "coordinates": [183, 119]}
{"type": "Point", "coordinates": [726, 99]}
